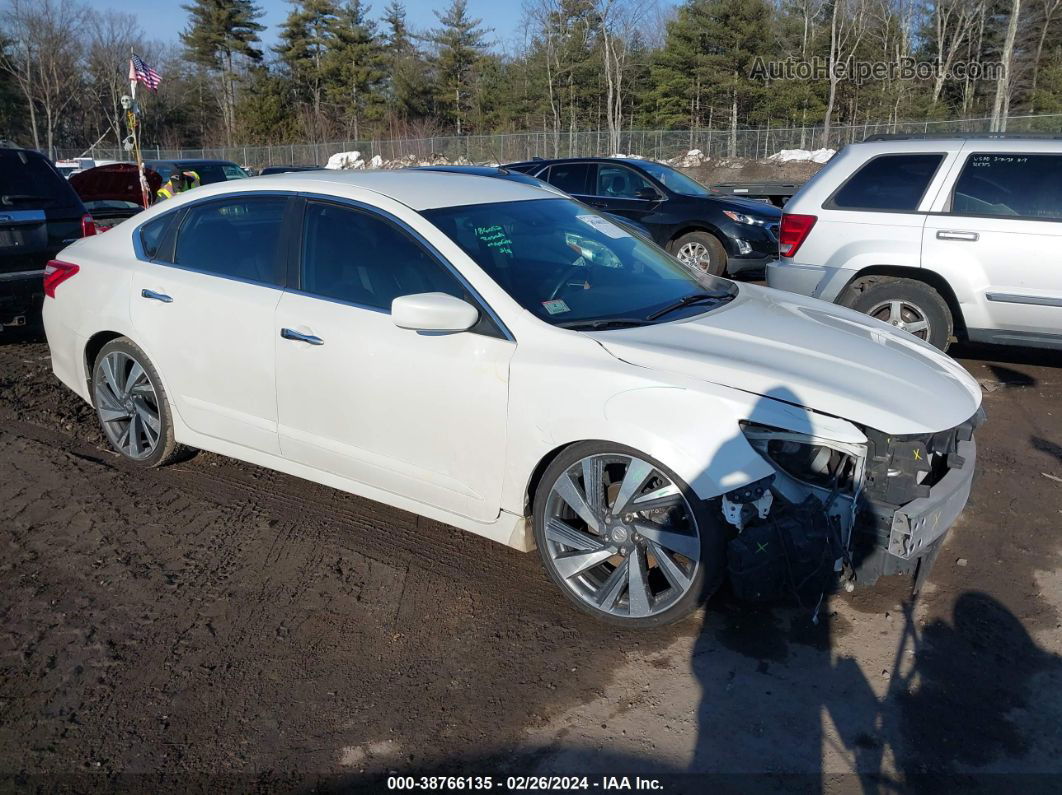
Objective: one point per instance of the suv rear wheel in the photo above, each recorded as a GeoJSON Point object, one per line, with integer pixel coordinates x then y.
{"type": "Point", "coordinates": [907, 304]}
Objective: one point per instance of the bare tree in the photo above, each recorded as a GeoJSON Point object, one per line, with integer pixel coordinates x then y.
{"type": "Point", "coordinates": [43, 59]}
{"type": "Point", "coordinates": [619, 23]}
{"type": "Point", "coordinates": [953, 22]}
{"type": "Point", "coordinates": [1048, 9]}
{"type": "Point", "coordinates": [847, 25]}
{"type": "Point", "coordinates": [112, 36]}
{"type": "Point", "coordinates": [1001, 103]}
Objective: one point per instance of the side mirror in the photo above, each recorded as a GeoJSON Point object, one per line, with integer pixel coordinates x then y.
{"type": "Point", "coordinates": [650, 194]}
{"type": "Point", "coordinates": [433, 312]}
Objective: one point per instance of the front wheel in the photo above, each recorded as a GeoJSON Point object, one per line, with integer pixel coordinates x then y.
{"type": "Point", "coordinates": [702, 251]}
{"type": "Point", "coordinates": [624, 537]}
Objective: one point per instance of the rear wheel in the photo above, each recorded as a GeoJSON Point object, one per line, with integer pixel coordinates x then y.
{"type": "Point", "coordinates": [906, 304]}
{"type": "Point", "coordinates": [625, 538]}
{"type": "Point", "coordinates": [132, 406]}
{"type": "Point", "coordinates": [701, 250]}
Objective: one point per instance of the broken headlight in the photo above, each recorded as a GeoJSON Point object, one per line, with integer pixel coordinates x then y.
{"type": "Point", "coordinates": [822, 464]}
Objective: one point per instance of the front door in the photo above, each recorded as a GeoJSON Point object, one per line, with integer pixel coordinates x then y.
{"type": "Point", "coordinates": [205, 317]}
{"type": "Point", "coordinates": [415, 414]}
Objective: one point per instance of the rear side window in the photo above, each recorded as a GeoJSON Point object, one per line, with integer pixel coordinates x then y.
{"type": "Point", "coordinates": [894, 183]}
{"type": "Point", "coordinates": [237, 238]}
{"type": "Point", "coordinates": [570, 177]}
{"type": "Point", "coordinates": [153, 233]}
{"type": "Point", "coordinates": [28, 181]}
{"type": "Point", "coordinates": [1010, 185]}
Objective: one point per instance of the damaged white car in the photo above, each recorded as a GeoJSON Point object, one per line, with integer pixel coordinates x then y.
{"type": "Point", "coordinates": [490, 355]}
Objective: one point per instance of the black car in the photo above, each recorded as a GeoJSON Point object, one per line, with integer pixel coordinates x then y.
{"type": "Point", "coordinates": [39, 215]}
{"type": "Point", "coordinates": [502, 172]}
{"type": "Point", "coordinates": [209, 171]}
{"type": "Point", "coordinates": [265, 172]}
{"type": "Point", "coordinates": [720, 235]}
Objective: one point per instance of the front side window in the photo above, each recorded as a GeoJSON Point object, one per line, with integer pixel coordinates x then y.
{"type": "Point", "coordinates": [570, 177]}
{"type": "Point", "coordinates": [893, 183]}
{"type": "Point", "coordinates": [1010, 185]}
{"type": "Point", "coordinates": [352, 256]}
{"type": "Point", "coordinates": [573, 268]}
{"type": "Point", "coordinates": [237, 237]}
{"type": "Point", "coordinates": [675, 180]}
{"type": "Point", "coordinates": [620, 182]}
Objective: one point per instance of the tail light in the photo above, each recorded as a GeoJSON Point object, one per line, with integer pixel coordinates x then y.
{"type": "Point", "coordinates": [88, 226]}
{"type": "Point", "coordinates": [55, 273]}
{"type": "Point", "coordinates": [793, 232]}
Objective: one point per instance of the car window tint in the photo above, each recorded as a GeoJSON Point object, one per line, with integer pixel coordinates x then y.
{"type": "Point", "coordinates": [153, 233]}
{"type": "Point", "coordinates": [237, 238]}
{"type": "Point", "coordinates": [352, 256]}
{"type": "Point", "coordinates": [569, 177]}
{"type": "Point", "coordinates": [889, 182]}
{"type": "Point", "coordinates": [27, 180]}
{"type": "Point", "coordinates": [620, 182]}
{"type": "Point", "coordinates": [1014, 185]}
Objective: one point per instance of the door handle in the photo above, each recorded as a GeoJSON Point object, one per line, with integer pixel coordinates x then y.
{"type": "Point", "coordinates": [156, 296]}
{"type": "Point", "coordinates": [292, 334]}
{"type": "Point", "coordinates": [945, 234]}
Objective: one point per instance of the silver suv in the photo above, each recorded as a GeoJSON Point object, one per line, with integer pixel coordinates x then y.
{"type": "Point", "coordinates": [945, 237]}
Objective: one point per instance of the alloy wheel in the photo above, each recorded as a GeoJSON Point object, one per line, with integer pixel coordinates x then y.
{"type": "Point", "coordinates": [621, 536]}
{"type": "Point", "coordinates": [128, 405]}
{"type": "Point", "coordinates": [902, 315]}
{"type": "Point", "coordinates": [695, 255]}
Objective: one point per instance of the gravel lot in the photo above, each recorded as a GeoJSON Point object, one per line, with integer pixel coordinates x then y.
{"type": "Point", "coordinates": [217, 619]}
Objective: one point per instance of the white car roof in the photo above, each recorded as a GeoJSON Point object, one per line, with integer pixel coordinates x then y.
{"type": "Point", "coordinates": [420, 190]}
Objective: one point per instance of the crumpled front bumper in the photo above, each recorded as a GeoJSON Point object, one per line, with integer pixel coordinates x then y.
{"type": "Point", "coordinates": [904, 540]}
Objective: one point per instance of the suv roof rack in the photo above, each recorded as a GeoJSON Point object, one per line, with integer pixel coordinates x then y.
{"type": "Point", "coordinates": [960, 135]}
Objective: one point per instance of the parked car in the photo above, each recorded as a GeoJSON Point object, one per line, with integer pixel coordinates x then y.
{"type": "Point", "coordinates": [209, 171]}
{"type": "Point", "coordinates": [943, 237]}
{"type": "Point", "coordinates": [265, 172]}
{"type": "Point", "coordinates": [74, 166]}
{"type": "Point", "coordinates": [715, 233]}
{"type": "Point", "coordinates": [503, 359]}
{"type": "Point", "coordinates": [39, 215]}
{"type": "Point", "coordinates": [112, 193]}
{"type": "Point", "coordinates": [498, 172]}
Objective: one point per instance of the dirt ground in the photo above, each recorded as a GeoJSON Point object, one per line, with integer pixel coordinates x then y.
{"type": "Point", "coordinates": [213, 625]}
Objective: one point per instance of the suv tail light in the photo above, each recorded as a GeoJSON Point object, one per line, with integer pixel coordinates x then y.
{"type": "Point", "coordinates": [88, 226]}
{"type": "Point", "coordinates": [55, 273]}
{"type": "Point", "coordinates": [793, 232]}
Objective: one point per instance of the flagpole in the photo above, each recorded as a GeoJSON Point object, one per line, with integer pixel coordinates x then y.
{"type": "Point", "coordinates": [134, 128]}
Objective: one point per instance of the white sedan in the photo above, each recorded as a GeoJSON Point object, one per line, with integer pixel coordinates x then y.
{"type": "Point", "coordinates": [493, 356]}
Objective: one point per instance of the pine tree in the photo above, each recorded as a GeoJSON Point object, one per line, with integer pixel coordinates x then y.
{"type": "Point", "coordinates": [357, 66]}
{"type": "Point", "coordinates": [407, 85]}
{"type": "Point", "coordinates": [460, 43]}
{"type": "Point", "coordinates": [220, 31]}
{"type": "Point", "coordinates": [307, 39]}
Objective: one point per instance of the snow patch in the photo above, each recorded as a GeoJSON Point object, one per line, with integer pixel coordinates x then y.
{"type": "Point", "coordinates": [345, 160]}
{"type": "Point", "coordinates": [802, 155]}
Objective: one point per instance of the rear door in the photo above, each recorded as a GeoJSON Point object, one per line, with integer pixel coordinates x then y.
{"type": "Point", "coordinates": [203, 311]}
{"type": "Point", "coordinates": [996, 236]}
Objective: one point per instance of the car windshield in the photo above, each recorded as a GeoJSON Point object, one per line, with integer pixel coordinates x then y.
{"type": "Point", "coordinates": [571, 267]}
{"type": "Point", "coordinates": [674, 180]}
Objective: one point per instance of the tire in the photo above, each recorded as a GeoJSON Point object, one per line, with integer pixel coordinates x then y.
{"type": "Point", "coordinates": [705, 245]}
{"type": "Point", "coordinates": [576, 556]}
{"type": "Point", "coordinates": [135, 406]}
{"type": "Point", "coordinates": [904, 303]}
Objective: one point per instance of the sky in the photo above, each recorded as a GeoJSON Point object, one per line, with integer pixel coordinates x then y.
{"type": "Point", "coordinates": [163, 20]}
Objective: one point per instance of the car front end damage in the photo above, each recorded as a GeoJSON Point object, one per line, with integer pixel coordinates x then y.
{"type": "Point", "coordinates": [841, 512]}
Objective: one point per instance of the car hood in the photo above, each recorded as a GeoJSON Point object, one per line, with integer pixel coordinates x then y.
{"type": "Point", "coordinates": [118, 182]}
{"type": "Point", "coordinates": [809, 353]}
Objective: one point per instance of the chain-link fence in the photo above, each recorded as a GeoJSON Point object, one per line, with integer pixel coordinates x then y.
{"type": "Point", "coordinates": [743, 143]}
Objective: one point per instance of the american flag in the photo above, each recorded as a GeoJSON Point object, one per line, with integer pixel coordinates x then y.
{"type": "Point", "coordinates": [142, 73]}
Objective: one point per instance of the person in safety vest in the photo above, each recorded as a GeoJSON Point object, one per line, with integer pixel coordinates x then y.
{"type": "Point", "coordinates": [179, 182]}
